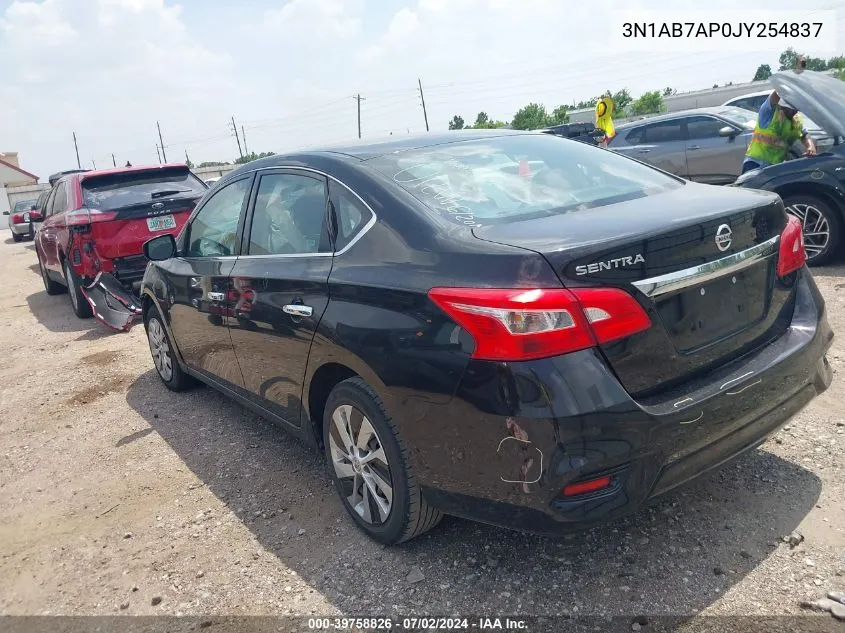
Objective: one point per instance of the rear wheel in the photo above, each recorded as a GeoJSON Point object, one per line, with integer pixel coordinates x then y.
{"type": "Point", "coordinates": [52, 287]}
{"type": "Point", "coordinates": [17, 236]}
{"type": "Point", "coordinates": [821, 224]}
{"type": "Point", "coordinates": [166, 365]}
{"type": "Point", "coordinates": [81, 307]}
{"type": "Point", "coordinates": [369, 466]}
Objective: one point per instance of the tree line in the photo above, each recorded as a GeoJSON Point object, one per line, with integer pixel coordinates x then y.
{"type": "Point", "coordinates": [535, 116]}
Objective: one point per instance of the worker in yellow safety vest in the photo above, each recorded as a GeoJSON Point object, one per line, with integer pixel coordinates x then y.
{"type": "Point", "coordinates": [778, 127]}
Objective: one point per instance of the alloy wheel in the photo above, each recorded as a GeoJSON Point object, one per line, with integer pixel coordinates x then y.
{"type": "Point", "coordinates": [815, 227]}
{"type": "Point", "coordinates": [160, 350]}
{"type": "Point", "coordinates": [360, 464]}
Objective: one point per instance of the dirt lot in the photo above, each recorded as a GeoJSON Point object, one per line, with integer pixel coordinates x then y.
{"type": "Point", "coordinates": [119, 497]}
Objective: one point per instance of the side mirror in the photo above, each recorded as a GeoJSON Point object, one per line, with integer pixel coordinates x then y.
{"type": "Point", "coordinates": [5, 213]}
{"type": "Point", "coordinates": [727, 132]}
{"type": "Point", "coordinates": [160, 248]}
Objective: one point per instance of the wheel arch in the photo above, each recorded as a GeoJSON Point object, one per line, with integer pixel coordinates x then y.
{"type": "Point", "coordinates": [819, 189]}
{"type": "Point", "coordinates": [324, 379]}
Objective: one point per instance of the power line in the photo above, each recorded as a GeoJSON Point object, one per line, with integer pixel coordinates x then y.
{"type": "Point", "coordinates": [359, 98]}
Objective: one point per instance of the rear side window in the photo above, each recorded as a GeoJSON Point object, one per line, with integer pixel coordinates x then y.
{"type": "Point", "coordinates": [664, 132]}
{"type": "Point", "coordinates": [635, 136]}
{"type": "Point", "coordinates": [515, 177]}
{"type": "Point", "coordinates": [60, 199]}
{"type": "Point", "coordinates": [351, 215]}
{"type": "Point", "coordinates": [114, 191]}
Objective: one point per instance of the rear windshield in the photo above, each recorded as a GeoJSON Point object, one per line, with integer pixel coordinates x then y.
{"type": "Point", "coordinates": [509, 178]}
{"type": "Point", "coordinates": [113, 191]}
{"type": "Point", "coordinates": [24, 205]}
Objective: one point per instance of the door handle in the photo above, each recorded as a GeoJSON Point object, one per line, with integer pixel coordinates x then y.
{"type": "Point", "coordinates": [297, 309]}
{"type": "Point", "coordinates": [217, 296]}
{"type": "Point", "coordinates": [694, 147]}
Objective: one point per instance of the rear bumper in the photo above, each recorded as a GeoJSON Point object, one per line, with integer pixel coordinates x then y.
{"type": "Point", "coordinates": [21, 228]}
{"type": "Point", "coordinates": [516, 433]}
{"type": "Point", "coordinates": [113, 304]}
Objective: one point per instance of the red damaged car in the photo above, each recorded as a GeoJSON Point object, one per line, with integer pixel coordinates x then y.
{"type": "Point", "coordinates": [90, 243]}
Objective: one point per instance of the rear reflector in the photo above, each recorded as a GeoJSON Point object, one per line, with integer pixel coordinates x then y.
{"type": "Point", "coordinates": [523, 324]}
{"type": "Point", "coordinates": [583, 487]}
{"type": "Point", "coordinates": [792, 254]}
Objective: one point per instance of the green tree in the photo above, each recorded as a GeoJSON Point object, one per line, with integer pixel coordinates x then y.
{"type": "Point", "coordinates": [837, 62]}
{"type": "Point", "coordinates": [531, 117]}
{"type": "Point", "coordinates": [481, 120]}
{"type": "Point", "coordinates": [457, 123]}
{"type": "Point", "coordinates": [248, 158]}
{"type": "Point", "coordinates": [788, 59]}
{"type": "Point", "coordinates": [583, 105]}
{"type": "Point", "coordinates": [764, 71]}
{"type": "Point", "coordinates": [840, 74]}
{"type": "Point", "coordinates": [560, 115]}
{"type": "Point", "coordinates": [212, 163]}
{"type": "Point", "coordinates": [621, 100]}
{"type": "Point", "coordinates": [648, 103]}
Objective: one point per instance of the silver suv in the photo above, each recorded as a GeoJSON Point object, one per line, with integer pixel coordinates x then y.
{"type": "Point", "coordinates": [706, 144]}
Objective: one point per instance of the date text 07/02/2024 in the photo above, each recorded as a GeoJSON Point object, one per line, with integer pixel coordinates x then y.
{"type": "Point", "coordinates": [418, 624]}
{"type": "Point", "coordinates": [722, 29]}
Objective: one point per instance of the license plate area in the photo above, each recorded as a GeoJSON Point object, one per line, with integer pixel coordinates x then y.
{"type": "Point", "coordinates": [710, 312]}
{"type": "Point", "coordinates": [161, 223]}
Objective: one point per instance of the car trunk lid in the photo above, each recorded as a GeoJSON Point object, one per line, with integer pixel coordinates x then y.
{"type": "Point", "coordinates": [705, 273]}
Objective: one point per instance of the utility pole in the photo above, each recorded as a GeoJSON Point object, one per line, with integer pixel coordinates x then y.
{"type": "Point", "coordinates": [422, 98]}
{"type": "Point", "coordinates": [163, 153]}
{"type": "Point", "coordinates": [114, 162]}
{"type": "Point", "coordinates": [237, 138]}
{"type": "Point", "coordinates": [187, 160]}
{"type": "Point", "coordinates": [359, 99]}
{"type": "Point", "coordinates": [158, 154]}
{"type": "Point", "coordinates": [93, 162]}
{"type": "Point", "coordinates": [78, 162]}
{"type": "Point", "coordinates": [243, 136]}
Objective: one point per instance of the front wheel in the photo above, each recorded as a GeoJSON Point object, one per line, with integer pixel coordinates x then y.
{"type": "Point", "coordinates": [822, 227]}
{"type": "Point", "coordinates": [17, 236]}
{"type": "Point", "coordinates": [370, 468]}
{"type": "Point", "coordinates": [165, 362]}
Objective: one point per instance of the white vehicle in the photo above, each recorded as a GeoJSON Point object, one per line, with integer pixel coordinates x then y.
{"type": "Point", "coordinates": [753, 101]}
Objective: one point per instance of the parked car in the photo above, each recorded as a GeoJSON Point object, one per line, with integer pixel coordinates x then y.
{"type": "Point", "coordinates": [90, 242]}
{"type": "Point", "coordinates": [36, 216]}
{"type": "Point", "coordinates": [543, 349]}
{"type": "Point", "coordinates": [583, 132]}
{"type": "Point", "coordinates": [754, 101]}
{"type": "Point", "coordinates": [706, 144]}
{"type": "Point", "coordinates": [812, 188]}
{"type": "Point", "coordinates": [19, 219]}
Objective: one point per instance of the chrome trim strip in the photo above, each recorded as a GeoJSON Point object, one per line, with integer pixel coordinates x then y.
{"type": "Point", "coordinates": [753, 384]}
{"type": "Point", "coordinates": [737, 379]}
{"type": "Point", "coordinates": [355, 239]}
{"type": "Point", "coordinates": [680, 279]}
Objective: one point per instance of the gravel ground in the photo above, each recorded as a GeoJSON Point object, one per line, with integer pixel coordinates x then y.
{"type": "Point", "coordinates": [120, 497]}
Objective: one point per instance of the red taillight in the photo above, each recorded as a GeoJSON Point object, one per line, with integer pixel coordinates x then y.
{"type": "Point", "coordinates": [583, 487]}
{"type": "Point", "coordinates": [522, 324]}
{"type": "Point", "coordinates": [17, 218]}
{"type": "Point", "coordinates": [82, 217]}
{"type": "Point", "coordinates": [792, 254]}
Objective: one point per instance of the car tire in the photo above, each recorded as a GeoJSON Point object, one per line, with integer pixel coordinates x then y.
{"type": "Point", "coordinates": [17, 236]}
{"type": "Point", "coordinates": [50, 286]}
{"type": "Point", "coordinates": [162, 351]}
{"type": "Point", "coordinates": [374, 481]}
{"type": "Point", "coordinates": [822, 227]}
{"type": "Point", "coordinates": [78, 302]}
{"type": "Point", "coordinates": [32, 232]}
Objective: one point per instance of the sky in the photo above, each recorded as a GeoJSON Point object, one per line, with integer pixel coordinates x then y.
{"type": "Point", "coordinates": [287, 70]}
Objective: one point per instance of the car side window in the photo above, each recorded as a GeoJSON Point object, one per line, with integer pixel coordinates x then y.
{"type": "Point", "coordinates": [214, 230]}
{"type": "Point", "coordinates": [60, 199]}
{"type": "Point", "coordinates": [48, 205]}
{"type": "Point", "coordinates": [289, 217]}
{"type": "Point", "coordinates": [351, 215]}
{"type": "Point", "coordinates": [635, 136]}
{"type": "Point", "coordinates": [704, 127]}
{"type": "Point", "coordinates": [664, 132]}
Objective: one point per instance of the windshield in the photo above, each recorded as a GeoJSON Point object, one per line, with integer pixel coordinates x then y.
{"type": "Point", "coordinates": [743, 118]}
{"type": "Point", "coordinates": [510, 178]}
{"type": "Point", "coordinates": [112, 191]}
{"type": "Point", "coordinates": [24, 205]}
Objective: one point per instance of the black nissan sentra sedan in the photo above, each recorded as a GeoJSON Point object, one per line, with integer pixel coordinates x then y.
{"type": "Point", "coordinates": [515, 328]}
